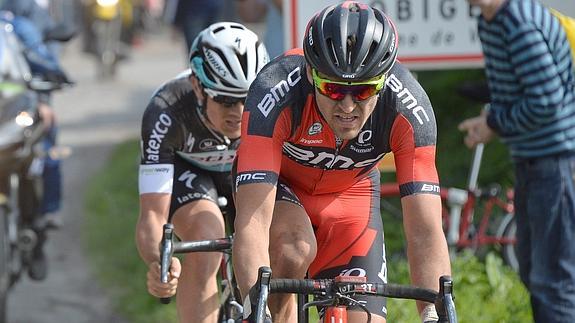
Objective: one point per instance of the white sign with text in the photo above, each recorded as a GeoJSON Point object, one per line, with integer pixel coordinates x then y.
{"type": "Point", "coordinates": [433, 34]}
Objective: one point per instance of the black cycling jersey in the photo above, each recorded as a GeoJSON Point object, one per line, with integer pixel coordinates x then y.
{"type": "Point", "coordinates": [173, 128]}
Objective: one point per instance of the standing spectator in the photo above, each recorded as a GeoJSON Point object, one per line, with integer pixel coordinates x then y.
{"type": "Point", "coordinates": [530, 74]}
{"type": "Point", "coordinates": [190, 17]}
{"type": "Point", "coordinates": [256, 10]}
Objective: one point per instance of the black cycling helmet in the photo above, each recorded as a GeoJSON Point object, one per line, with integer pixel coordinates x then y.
{"type": "Point", "coordinates": [351, 41]}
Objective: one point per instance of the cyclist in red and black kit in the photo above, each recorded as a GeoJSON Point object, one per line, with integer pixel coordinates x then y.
{"type": "Point", "coordinates": [315, 126]}
{"type": "Point", "coordinates": [190, 134]}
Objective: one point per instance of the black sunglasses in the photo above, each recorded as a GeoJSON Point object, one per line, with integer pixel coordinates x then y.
{"type": "Point", "coordinates": [228, 101]}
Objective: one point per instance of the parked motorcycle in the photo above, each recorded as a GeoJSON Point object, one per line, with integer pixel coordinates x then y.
{"type": "Point", "coordinates": [21, 161]}
{"type": "Point", "coordinates": [107, 28]}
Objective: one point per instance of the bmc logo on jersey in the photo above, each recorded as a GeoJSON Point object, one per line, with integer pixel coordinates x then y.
{"type": "Point", "coordinates": [245, 178]}
{"type": "Point", "coordinates": [430, 188]}
{"type": "Point", "coordinates": [279, 91]}
{"type": "Point", "coordinates": [407, 98]}
{"type": "Point", "coordinates": [324, 159]}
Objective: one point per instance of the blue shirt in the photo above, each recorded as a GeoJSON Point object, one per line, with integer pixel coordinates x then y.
{"type": "Point", "coordinates": [530, 74]}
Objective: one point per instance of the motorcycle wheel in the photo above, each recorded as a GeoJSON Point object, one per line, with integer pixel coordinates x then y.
{"type": "Point", "coordinates": [5, 275]}
{"type": "Point", "coordinates": [108, 41]}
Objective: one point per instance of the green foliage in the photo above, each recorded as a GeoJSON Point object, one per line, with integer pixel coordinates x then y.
{"type": "Point", "coordinates": [485, 292]}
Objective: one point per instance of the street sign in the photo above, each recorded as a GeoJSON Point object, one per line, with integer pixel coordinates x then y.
{"type": "Point", "coordinates": [433, 34]}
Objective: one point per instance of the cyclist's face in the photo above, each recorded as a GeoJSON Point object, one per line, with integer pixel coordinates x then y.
{"type": "Point", "coordinates": [345, 117]}
{"type": "Point", "coordinates": [225, 117]}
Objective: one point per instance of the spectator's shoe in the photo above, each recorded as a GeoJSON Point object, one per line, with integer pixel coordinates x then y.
{"type": "Point", "coordinates": [49, 221]}
{"type": "Point", "coordinates": [38, 267]}
{"type": "Point", "coordinates": [53, 220]}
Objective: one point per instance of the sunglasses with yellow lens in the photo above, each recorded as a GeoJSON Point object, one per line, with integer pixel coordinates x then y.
{"type": "Point", "coordinates": [337, 90]}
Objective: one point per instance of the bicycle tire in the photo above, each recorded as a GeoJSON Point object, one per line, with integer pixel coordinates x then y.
{"type": "Point", "coordinates": [509, 250]}
{"type": "Point", "coordinates": [5, 275]}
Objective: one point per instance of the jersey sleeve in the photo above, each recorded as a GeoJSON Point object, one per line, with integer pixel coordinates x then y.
{"type": "Point", "coordinates": [159, 141]}
{"type": "Point", "coordinates": [413, 137]}
{"type": "Point", "coordinates": [267, 120]}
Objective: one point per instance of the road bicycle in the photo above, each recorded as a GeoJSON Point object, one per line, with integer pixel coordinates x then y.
{"type": "Point", "coordinates": [230, 308]}
{"type": "Point", "coordinates": [336, 294]}
{"type": "Point", "coordinates": [464, 228]}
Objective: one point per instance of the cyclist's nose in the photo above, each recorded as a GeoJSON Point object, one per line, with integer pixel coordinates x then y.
{"type": "Point", "coordinates": [347, 104]}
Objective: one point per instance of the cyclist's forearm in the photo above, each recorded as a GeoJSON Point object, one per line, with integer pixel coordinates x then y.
{"type": "Point", "coordinates": [428, 260]}
{"type": "Point", "coordinates": [250, 251]}
{"type": "Point", "coordinates": [148, 237]}
{"type": "Point", "coordinates": [254, 212]}
{"type": "Point", "coordinates": [153, 215]}
{"type": "Point", "coordinates": [426, 246]}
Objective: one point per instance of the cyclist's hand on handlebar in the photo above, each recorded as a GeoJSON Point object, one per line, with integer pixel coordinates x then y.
{"type": "Point", "coordinates": [429, 314]}
{"type": "Point", "coordinates": [158, 289]}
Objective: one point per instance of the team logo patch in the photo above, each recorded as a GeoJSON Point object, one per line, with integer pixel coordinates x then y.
{"type": "Point", "coordinates": [363, 142]}
{"type": "Point", "coordinates": [314, 129]}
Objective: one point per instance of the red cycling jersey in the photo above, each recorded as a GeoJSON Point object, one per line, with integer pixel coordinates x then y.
{"type": "Point", "coordinates": [284, 134]}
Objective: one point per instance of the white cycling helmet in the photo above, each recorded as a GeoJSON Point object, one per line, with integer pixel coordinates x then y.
{"type": "Point", "coordinates": [225, 57]}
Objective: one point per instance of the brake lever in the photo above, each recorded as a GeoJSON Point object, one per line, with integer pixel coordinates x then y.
{"type": "Point", "coordinates": [444, 304]}
{"type": "Point", "coordinates": [166, 252]}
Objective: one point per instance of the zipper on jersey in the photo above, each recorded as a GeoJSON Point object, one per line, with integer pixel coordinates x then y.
{"type": "Point", "coordinates": [338, 144]}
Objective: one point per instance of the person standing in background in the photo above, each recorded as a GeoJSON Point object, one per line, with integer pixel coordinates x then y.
{"type": "Point", "coordinates": [250, 11]}
{"type": "Point", "coordinates": [530, 74]}
{"type": "Point", "coordinates": [191, 17]}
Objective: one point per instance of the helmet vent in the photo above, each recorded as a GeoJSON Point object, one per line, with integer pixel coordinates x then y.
{"type": "Point", "coordinates": [243, 59]}
{"type": "Point", "coordinates": [354, 8]}
{"type": "Point", "coordinates": [333, 54]}
{"type": "Point", "coordinates": [386, 57]}
{"type": "Point", "coordinates": [371, 52]}
{"type": "Point", "coordinates": [351, 40]}
{"type": "Point", "coordinates": [217, 30]}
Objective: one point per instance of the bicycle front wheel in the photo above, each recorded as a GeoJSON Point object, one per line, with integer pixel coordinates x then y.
{"type": "Point", "coordinates": [509, 250]}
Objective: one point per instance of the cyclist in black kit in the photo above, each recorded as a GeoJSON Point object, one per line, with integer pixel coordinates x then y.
{"type": "Point", "coordinates": [190, 133]}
